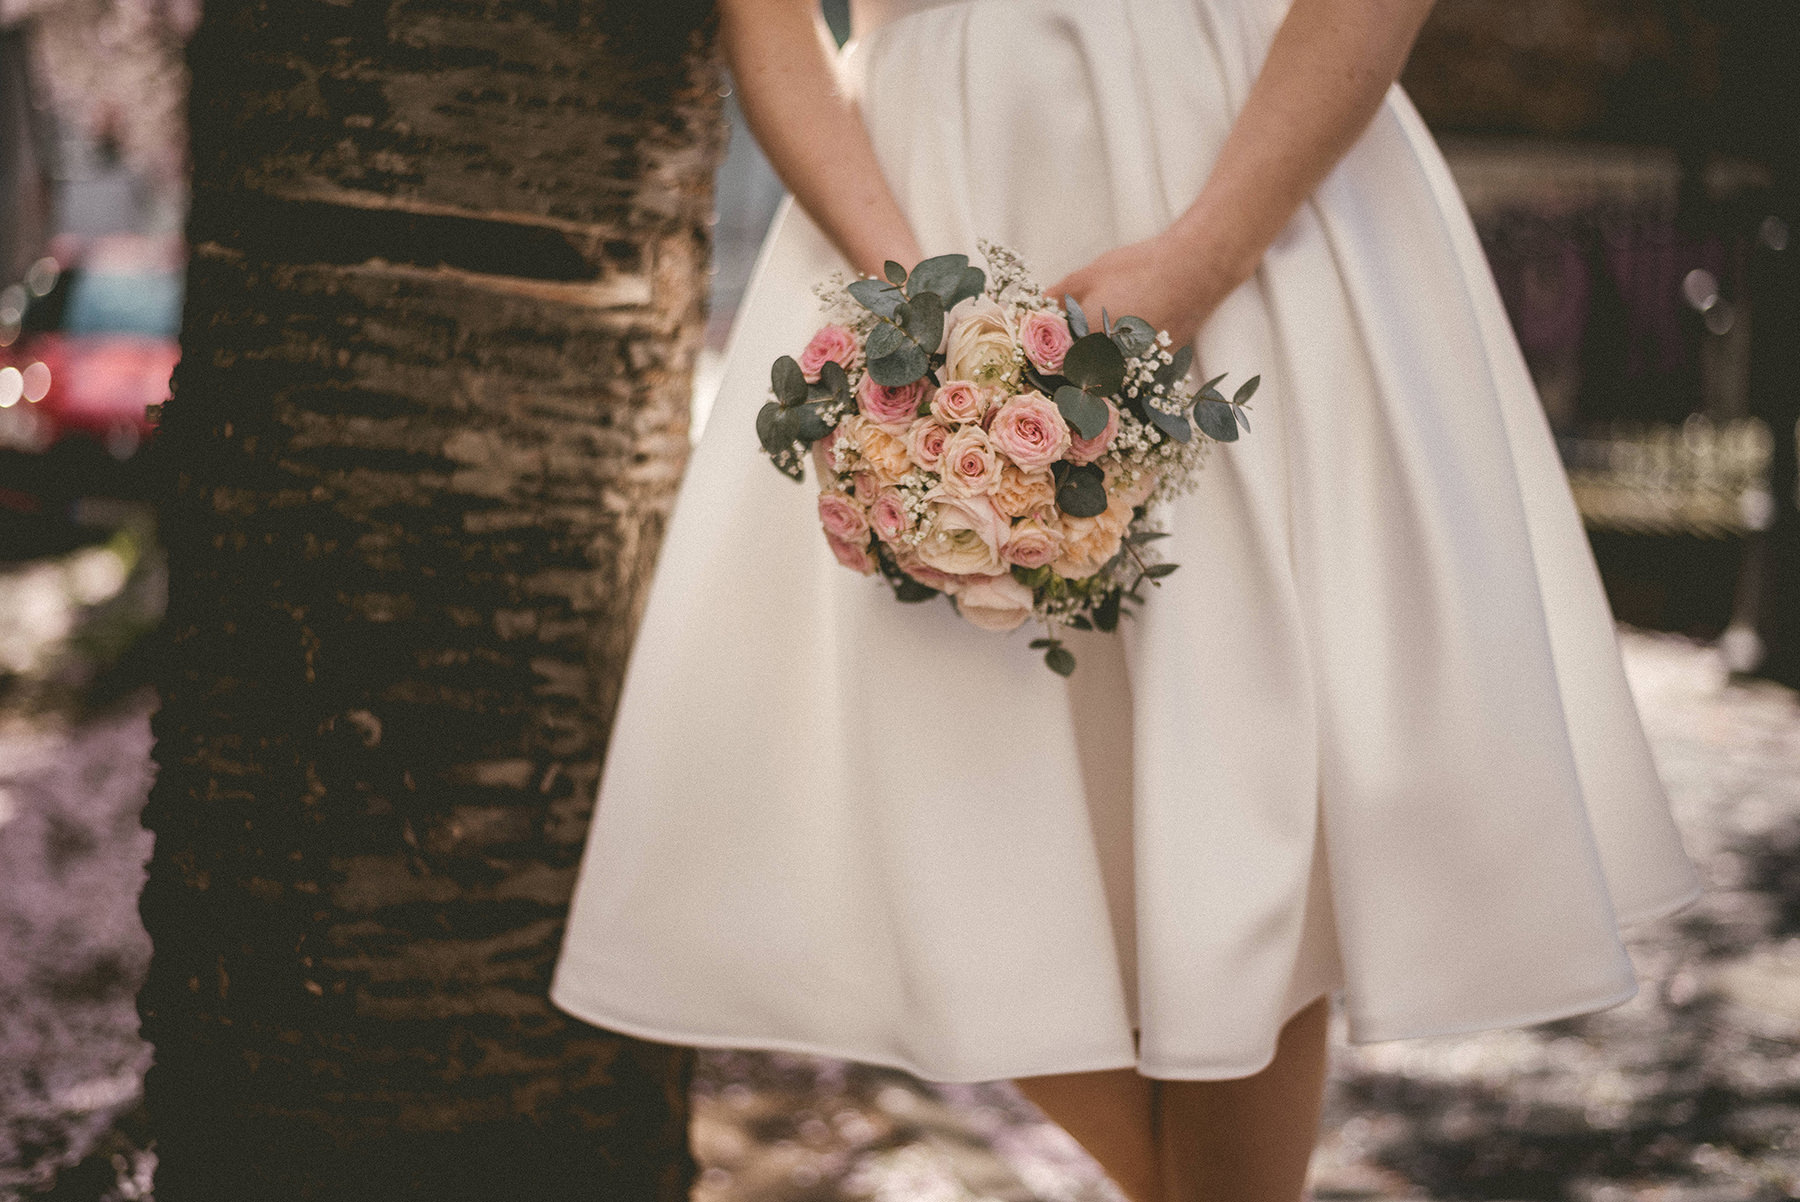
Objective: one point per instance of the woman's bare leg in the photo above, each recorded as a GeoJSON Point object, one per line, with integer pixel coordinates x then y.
{"type": "Point", "coordinates": [1113, 1115]}
{"type": "Point", "coordinates": [1248, 1139]}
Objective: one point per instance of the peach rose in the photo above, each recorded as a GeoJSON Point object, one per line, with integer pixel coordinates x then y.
{"type": "Point", "coordinates": [1030, 430]}
{"type": "Point", "coordinates": [1086, 450]}
{"type": "Point", "coordinates": [995, 602]}
{"type": "Point", "coordinates": [1031, 544]}
{"type": "Point", "coordinates": [1020, 493]}
{"type": "Point", "coordinates": [970, 465]}
{"type": "Point", "coordinates": [833, 344]}
{"type": "Point", "coordinates": [1046, 337]}
{"type": "Point", "coordinates": [843, 518]}
{"type": "Point", "coordinates": [854, 556]}
{"type": "Point", "coordinates": [882, 450]}
{"type": "Point", "coordinates": [964, 536]}
{"type": "Point", "coordinates": [895, 407]}
{"type": "Point", "coordinates": [979, 345]}
{"type": "Point", "coordinates": [1087, 543]}
{"type": "Point", "coordinates": [888, 516]}
{"type": "Point", "coordinates": [925, 440]}
{"type": "Point", "coordinates": [864, 485]}
{"type": "Point", "coordinates": [959, 402]}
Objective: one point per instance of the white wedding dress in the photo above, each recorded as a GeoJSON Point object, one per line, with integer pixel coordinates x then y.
{"type": "Point", "coordinates": [1372, 737]}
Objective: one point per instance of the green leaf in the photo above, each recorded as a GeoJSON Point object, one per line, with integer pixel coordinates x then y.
{"type": "Point", "coordinates": [939, 275]}
{"type": "Point", "coordinates": [1246, 390]}
{"type": "Point", "coordinates": [788, 381]}
{"type": "Point", "coordinates": [1173, 372]}
{"type": "Point", "coordinates": [1140, 537]}
{"type": "Point", "coordinates": [909, 590]}
{"type": "Point", "coordinates": [884, 340]}
{"type": "Point", "coordinates": [1078, 322]}
{"type": "Point", "coordinates": [1214, 382]}
{"type": "Point", "coordinates": [1106, 614]}
{"type": "Point", "coordinates": [809, 424]}
{"type": "Point", "coordinates": [1083, 492]}
{"type": "Point", "coordinates": [901, 367]}
{"type": "Point", "coordinates": [1173, 424]}
{"type": "Point", "coordinates": [1094, 363]}
{"type": "Point", "coordinates": [875, 296]}
{"type": "Point", "coordinates": [1040, 644]}
{"type": "Point", "coordinates": [766, 418]}
{"type": "Point", "coordinates": [925, 319]}
{"type": "Point", "coordinates": [835, 380]}
{"type": "Point", "coordinates": [1086, 412]}
{"type": "Point", "coordinates": [969, 283]}
{"type": "Point", "coordinates": [1217, 419]}
{"type": "Point", "coordinates": [1059, 660]}
{"type": "Point", "coordinates": [1133, 336]}
{"type": "Point", "coordinates": [1080, 623]}
{"type": "Point", "coordinates": [895, 273]}
{"type": "Point", "coordinates": [1157, 571]}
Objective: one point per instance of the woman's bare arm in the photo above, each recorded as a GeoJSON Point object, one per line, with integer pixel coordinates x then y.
{"type": "Point", "coordinates": [1328, 70]}
{"type": "Point", "coordinates": [812, 132]}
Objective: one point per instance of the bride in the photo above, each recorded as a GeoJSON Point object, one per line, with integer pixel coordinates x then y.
{"type": "Point", "coordinates": [1373, 739]}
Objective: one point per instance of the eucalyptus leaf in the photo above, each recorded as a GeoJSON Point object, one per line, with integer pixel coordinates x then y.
{"type": "Point", "coordinates": [878, 298]}
{"type": "Point", "coordinates": [1140, 537]}
{"type": "Point", "coordinates": [1040, 644]}
{"type": "Point", "coordinates": [1173, 424]}
{"type": "Point", "coordinates": [809, 423]}
{"type": "Point", "coordinates": [1176, 370]}
{"type": "Point", "coordinates": [1157, 571]}
{"type": "Point", "coordinates": [1086, 412]}
{"type": "Point", "coordinates": [1059, 660]}
{"type": "Point", "coordinates": [901, 367]}
{"type": "Point", "coordinates": [1094, 363]}
{"type": "Point", "coordinates": [835, 380]}
{"type": "Point", "coordinates": [1133, 335]}
{"type": "Point", "coordinates": [1106, 614]}
{"type": "Point", "coordinates": [909, 590]}
{"type": "Point", "coordinates": [1214, 382]}
{"type": "Point", "coordinates": [969, 283]}
{"type": "Point", "coordinates": [939, 275]}
{"type": "Point", "coordinates": [884, 340]}
{"type": "Point", "coordinates": [1083, 492]}
{"type": "Point", "coordinates": [1217, 419]}
{"type": "Point", "coordinates": [895, 273]}
{"type": "Point", "coordinates": [925, 319]}
{"type": "Point", "coordinates": [765, 427]}
{"type": "Point", "coordinates": [1078, 322]}
{"type": "Point", "coordinates": [1080, 623]}
{"type": "Point", "coordinates": [1246, 390]}
{"type": "Point", "coordinates": [788, 381]}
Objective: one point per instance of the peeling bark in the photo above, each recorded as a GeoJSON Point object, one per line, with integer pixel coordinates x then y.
{"type": "Point", "coordinates": [447, 287]}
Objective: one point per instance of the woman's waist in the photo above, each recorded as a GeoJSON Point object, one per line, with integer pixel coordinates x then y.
{"type": "Point", "coordinates": [866, 16]}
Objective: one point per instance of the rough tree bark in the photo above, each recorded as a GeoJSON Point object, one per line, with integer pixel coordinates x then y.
{"type": "Point", "coordinates": [449, 267]}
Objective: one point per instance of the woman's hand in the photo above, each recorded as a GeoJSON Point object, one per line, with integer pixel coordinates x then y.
{"type": "Point", "coordinates": [1166, 283]}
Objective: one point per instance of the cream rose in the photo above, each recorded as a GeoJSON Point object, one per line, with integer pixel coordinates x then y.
{"type": "Point", "coordinates": [1030, 430]}
{"type": "Point", "coordinates": [995, 602]}
{"type": "Point", "coordinates": [969, 465]}
{"type": "Point", "coordinates": [979, 346]}
{"type": "Point", "coordinates": [964, 536]}
{"type": "Point", "coordinates": [925, 440]}
{"type": "Point", "coordinates": [1020, 493]}
{"type": "Point", "coordinates": [1031, 544]}
{"type": "Point", "coordinates": [881, 449]}
{"type": "Point", "coordinates": [1046, 337]}
{"type": "Point", "coordinates": [832, 343]}
{"type": "Point", "coordinates": [959, 402]}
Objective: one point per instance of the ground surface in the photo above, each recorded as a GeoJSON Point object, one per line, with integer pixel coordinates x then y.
{"type": "Point", "coordinates": [1689, 1093]}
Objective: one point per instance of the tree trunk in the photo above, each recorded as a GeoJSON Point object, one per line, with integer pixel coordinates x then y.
{"type": "Point", "coordinates": [447, 289]}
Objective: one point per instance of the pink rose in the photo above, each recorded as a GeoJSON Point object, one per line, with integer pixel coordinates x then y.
{"type": "Point", "coordinates": [1030, 431]}
{"type": "Point", "coordinates": [995, 602]}
{"type": "Point", "coordinates": [925, 440]}
{"type": "Point", "coordinates": [959, 402]}
{"type": "Point", "coordinates": [832, 344]}
{"type": "Point", "coordinates": [930, 577]}
{"type": "Point", "coordinates": [888, 516]}
{"type": "Point", "coordinates": [1031, 545]}
{"type": "Point", "coordinates": [843, 518]}
{"type": "Point", "coordinates": [863, 486]}
{"type": "Point", "coordinates": [854, 556]}
{"type": "Point", "coordinates": [969, 465]}
{"type": "Point", "coordinates": [964, 536]}
{"type": "Point", "coordinates": [1086, 450]}
{"type": "Point", "coordinates": [1046, 337]}
{"type": "Point", "coordinates": [889, 406]}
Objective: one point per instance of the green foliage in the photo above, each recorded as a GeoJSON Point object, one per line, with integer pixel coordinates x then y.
{"type": "Point", "coordinates": [1095, 365]}
{"type": "Point", "coordinates": [1081, 490]}
{"type": "Point", "coordinates": [1082, 410]}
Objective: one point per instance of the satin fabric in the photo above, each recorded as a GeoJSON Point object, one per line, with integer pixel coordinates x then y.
{"type": "Point", "coordinates": [1374, 735]}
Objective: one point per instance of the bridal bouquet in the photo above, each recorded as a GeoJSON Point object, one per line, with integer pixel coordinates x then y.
{"type": "Point", "coordinates": [974, 438]}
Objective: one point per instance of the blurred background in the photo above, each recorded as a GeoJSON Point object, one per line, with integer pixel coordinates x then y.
{"type": "Point", "coordinates": [1634, 171]}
